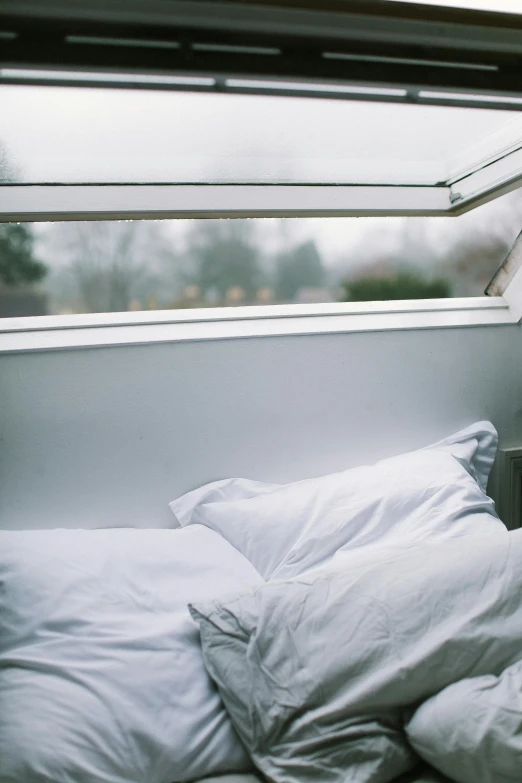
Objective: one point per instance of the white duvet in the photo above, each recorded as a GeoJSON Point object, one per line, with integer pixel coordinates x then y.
{"type": "Point", "coordinates": [317, 672]}
{"type": "Point", "coordinates": [101, 674]}
{"type": "Point", "coordinates": [472, 730]}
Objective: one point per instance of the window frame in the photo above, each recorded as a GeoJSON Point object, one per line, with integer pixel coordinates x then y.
{"type": "Point", "coordinates": [37, 37]}
{"type": "Point", "coordinates": [342, 44]}
{"type": "Point", "coordinates": [102, 330]}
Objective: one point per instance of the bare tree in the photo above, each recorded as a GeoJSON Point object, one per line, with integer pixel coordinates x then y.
{"type": "Point", "coordinates": [110, 266]}
{"type": "Point", "coordinates": [486, 235]}
{"type": "Point", "coordinates": [224, 256]}
{"type": "Point", "coordinates": [465, 251]}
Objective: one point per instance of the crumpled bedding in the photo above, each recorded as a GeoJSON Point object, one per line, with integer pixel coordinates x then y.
{"type": "Point", "coordinates": [285, 530]}
{"type": "Point", "coordinates": [472, 730]}
{"type": "Point", "coordinates": [317, 672]}
{"type": "Point", "coordinates": [101, 674]}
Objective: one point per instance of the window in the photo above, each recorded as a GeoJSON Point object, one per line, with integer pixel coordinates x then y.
{"type": "Point", "coordinates": [111, 136]}
{"type": "Point", "coordinates": [126, 143]}
{"type": "Point", "coordinates": [106, 152]}
{"type": "Point", "coordinates": [118, 266]}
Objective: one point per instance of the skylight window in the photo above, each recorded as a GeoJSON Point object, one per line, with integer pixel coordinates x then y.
{"type": "Point", "coordinates": [226, 153]}
{"type": "Point", "coordinates": [119, 266]}
{"type": "Point", "coordinates": [110, 127]}
{"type": "Point", "coordinates": [122, 137]}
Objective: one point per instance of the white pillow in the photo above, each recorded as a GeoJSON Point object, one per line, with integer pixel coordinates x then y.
{"type": "Point", "coordinates": [472, 730]}
{"type": "Point", "coordinates": [284, 530]}
{"type": "Point", "coordinates": [316, 671]}
{"type": "Point", "coordinates": [101, 672]}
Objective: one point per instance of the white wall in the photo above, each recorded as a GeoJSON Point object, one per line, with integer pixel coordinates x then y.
{"type": "Point", "coordinates": [108, 436]}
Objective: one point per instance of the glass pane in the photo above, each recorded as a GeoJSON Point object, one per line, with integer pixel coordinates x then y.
{"type": "Point", "coordinates": [58, 268]}
{"type": "Point", "coordinates": [103, 135]}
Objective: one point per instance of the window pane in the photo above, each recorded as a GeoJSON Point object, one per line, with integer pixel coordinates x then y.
{"type": "Point", "coordinates": [147, 265]}
{"type": "Point", "coordinates": [104, 135]}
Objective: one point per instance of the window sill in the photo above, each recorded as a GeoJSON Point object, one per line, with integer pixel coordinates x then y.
{"type": "Point", "coordinates": [100, 330]}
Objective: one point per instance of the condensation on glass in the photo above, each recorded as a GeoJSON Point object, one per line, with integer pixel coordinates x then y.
{"type": "Point", "coordinates": [74, 135]}
{"type": "Point", "coordinates": [67, 135]}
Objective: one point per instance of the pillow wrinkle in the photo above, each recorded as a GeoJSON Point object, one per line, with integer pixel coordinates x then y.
{"type": "Point", "coordinates": [337, 656]}
{"type": "Point", "coordinates": [101, 674]}
{"type": "Point", "coordinates": [435, 492]}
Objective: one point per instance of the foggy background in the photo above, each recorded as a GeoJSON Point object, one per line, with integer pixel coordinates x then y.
{"type": "Point", "coordinates": [66, 135]}
{"type": "Point", "coordinates": [118, 266]}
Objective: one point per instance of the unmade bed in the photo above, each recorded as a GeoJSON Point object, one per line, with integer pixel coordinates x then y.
{"type": "Point", "coordinates": [349, 627]}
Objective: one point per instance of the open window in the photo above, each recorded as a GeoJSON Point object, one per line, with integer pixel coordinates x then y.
{"type": "Point", "coordinates": [102, 152]}
{"type": "Point", "coordinates": [249, 110]}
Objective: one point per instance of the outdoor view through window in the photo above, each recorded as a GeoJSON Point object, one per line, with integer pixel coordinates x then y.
{"type": "Point", "coordinates": [118, 266]}
{"type": "Point", "coordinates": [55, 137]}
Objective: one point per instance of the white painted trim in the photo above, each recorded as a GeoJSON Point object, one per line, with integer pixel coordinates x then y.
{"type": "Point", "coordinates": [495, 145]}
{"type": "Point", "coordinates": [124, 202]}
{"type": "Point", "coordinates": [45, 203]}
{"type": "Point", "coordinates": [81, 320]}
{"type": "Point", "coordinates": [490, 178]}
{"type": "Point", "coordinates": [70, 332]}
{"type": "Point", "coordinates": [462, 206]}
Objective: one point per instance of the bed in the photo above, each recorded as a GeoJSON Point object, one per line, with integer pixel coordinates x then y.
{"type": "Point", "coordinates": [311, 630]}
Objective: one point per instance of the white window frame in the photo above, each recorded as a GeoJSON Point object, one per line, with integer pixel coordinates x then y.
{"type": "Point", "coordinates": [42, 203]}
{"type": "Point", "coordinates": [462, 192]}
{"type": "Point", "coordinates": [58, 332]}
{"type": "Point", "coordinates": [98, 330]}
{"type": "Point", "coordinates": [97, 202]}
